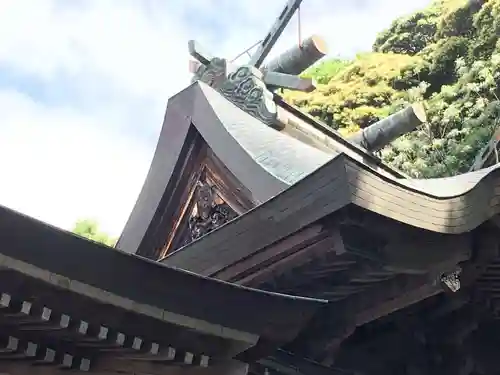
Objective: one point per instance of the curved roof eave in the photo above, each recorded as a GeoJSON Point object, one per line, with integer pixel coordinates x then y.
{"type": "Point", "coordinates": [473, 199]}
{"type": "Point", "coordinates": [37, 250]}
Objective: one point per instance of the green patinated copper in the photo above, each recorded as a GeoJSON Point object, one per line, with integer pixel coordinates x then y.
{"type": "Point", "coordinates": [243, 86]}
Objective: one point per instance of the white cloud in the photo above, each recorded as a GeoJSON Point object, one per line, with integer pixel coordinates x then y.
{"type": "Point", "coordinates": [90, 80]}
{"type": "Point", "coordinates": [119, 40]}
{"type": "Point", "coordinates": [82, 159]}
{"type": "Point", "coordinates": [58, 166]}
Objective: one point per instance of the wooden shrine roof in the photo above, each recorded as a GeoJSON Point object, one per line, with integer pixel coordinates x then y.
{"type": "Point", "coordinates": [76, 299]}
{"type": "Point", "coordinates": [265, 162]}
{"type": "Point", "coordinates": [337, 225]}
{"type": "Point", "coordinates": [349, 230]}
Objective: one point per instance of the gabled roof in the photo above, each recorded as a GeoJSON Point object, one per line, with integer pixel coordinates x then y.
{"type": "Point", "coordinates": [263, 161]}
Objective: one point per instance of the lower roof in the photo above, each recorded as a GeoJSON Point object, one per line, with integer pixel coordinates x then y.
{"type": "Point", "coordinates": [50, 259]}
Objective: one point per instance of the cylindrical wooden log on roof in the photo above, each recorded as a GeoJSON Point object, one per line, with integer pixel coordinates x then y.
{"type": "Point", "coordinates": [298, 58]}
{"type": "Point", "coordinates": [383, 132]}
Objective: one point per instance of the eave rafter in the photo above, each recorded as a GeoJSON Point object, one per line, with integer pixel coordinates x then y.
{"type": "Point", "coordinates": [478, 278]}
{"type": "Point", "coordinates": [433, 336]}
{"type": "Point", "coordinates": [365, 279]}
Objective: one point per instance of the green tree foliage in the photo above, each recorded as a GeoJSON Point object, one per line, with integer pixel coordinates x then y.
{"type": "Point", "coordinates": [447, 55]}
{"type": "Point", "coordinates": [326, 70]}
{"type": "Point", "coordinates": [409, 35]}
{"type": "Point", "coordinates": [89, 229]}
{"type": "Point", "coordinates": [361, 92]}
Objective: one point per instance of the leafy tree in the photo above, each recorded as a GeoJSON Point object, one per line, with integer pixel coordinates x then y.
{"type": "Point", "coordinates": [410, 35]}
{"type": "Point", "coordinates": [447, 55]}
{"type": "Point", "coordinates": [89, 229]}
{"type": "Point", "coordinates": [361, 92]}
{"type": "Point", "coordinates": [326, 70]}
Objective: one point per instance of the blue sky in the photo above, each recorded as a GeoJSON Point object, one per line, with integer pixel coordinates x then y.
{"type": "Point", "coordinates": [84, 85]}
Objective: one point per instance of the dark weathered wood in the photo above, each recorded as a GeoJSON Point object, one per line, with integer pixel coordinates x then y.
{"type": "Point", "coordinates": [166, 168]}
{"type": "Point", "coordinates": [282, 220]}
{"type": "Point", "coordinates": [81, 268]}
{"type": "Point", "coordinates": [335, 140]}
{"type": "Point", "coordinates": [341, 318]}
{"type": "Point", "coordinates": [298, 58]}
{"type": "Point", "coordinates": [297, 259]}
{"type": "Point", "coordinates": [272, 254]}
{"type": "Point", "coordinates": [117, 366]}
{"type": "Point", "coordinates": [230, 189]}
{"type": "Point", "coordinates": [417, 341]}
{"type": "Point", "coordinates": [378, 135]}
{"type": "Point", "coordinates": [289, 364]}
{"type": "Point", "coordinates": [182, 122]}
{"type": "Point", "coordinates": [203, 210]}
{"type": "Point", "coordinates": [394, 238]}
{"type": "Point", "coordinates": [171, 218]}
{"type": "Point", "coordinates": [279, 217]}
{"type": "Point", "coordinates": [171, 143]}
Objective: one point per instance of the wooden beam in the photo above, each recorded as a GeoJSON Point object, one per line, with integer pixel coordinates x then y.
{"type": "Point", "coordinates": [299, 57]}
{"type": "Point", "coordinates": [383, 132]}
{"type": "Point", "coordinates": [376, 312]}
{"type": "Point", "coordinates": [114, 367]}
{"type": "Point", "coordinates": [199, 53]}
{"type": "Point", "coordinates": [336, 274]}
{"type": "Point", "coordinates": [231, 189]}
{"type": "Point", "coordinates": [442, 251]}
{"type": "Point", "coordinates": [162, 233]}
{"type": "Point", "coordinates": [290, 82]}
{"type": "Point", "coordinates": [343, 317]}
{"type": "Point", "coordinates": [263, 259]}
{"type": "Point", "coordinates": [98, 295]}
{"type": "Point", "coordinates": [274, 33]}
{"type": "Point", "coordinates": [403, 300]}
{"type": "Point", "coordinates": [329, 242]}
{"type": "Point", "coordinates": [289, 364]}
{"type": "Point", "coordinates": [432, 329]}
